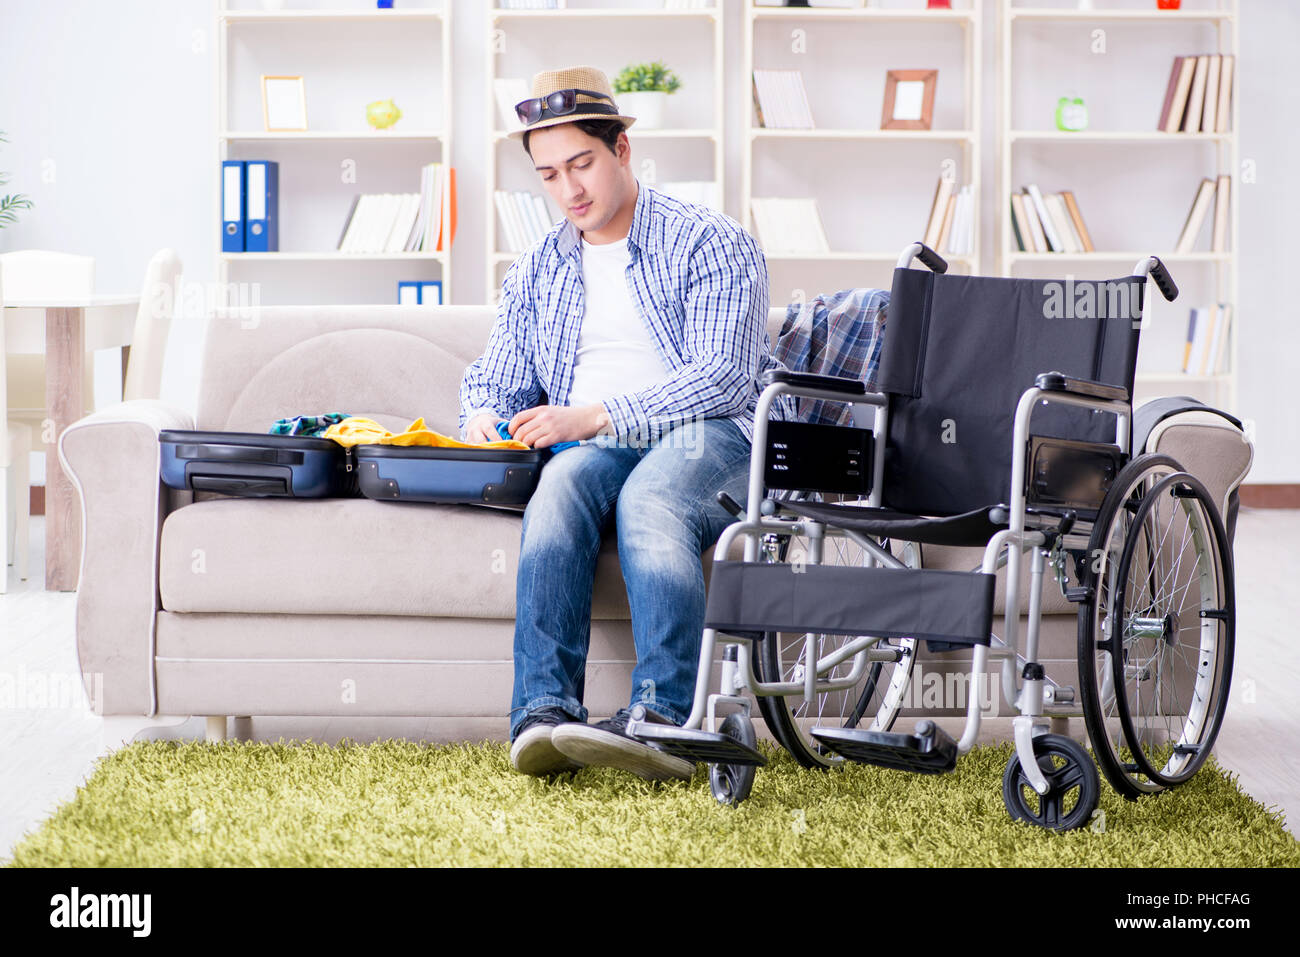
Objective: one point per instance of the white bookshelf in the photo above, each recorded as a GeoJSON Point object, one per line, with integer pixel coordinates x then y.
{"type": "Point", "coordinates": [1134, 149]}
{"type": "Point", "coordinates": [873, 29]}
{"type": "Point", "coordinates": [313, 194]}
{"type": "Point", "coordinates": [638, 26]}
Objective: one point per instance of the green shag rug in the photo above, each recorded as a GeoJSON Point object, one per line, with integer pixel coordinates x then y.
{"type": "Point", "coordinates": [397, 803]}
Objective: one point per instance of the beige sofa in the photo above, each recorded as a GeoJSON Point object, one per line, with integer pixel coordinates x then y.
{"type": "Point", "coordinates": [201, 604]}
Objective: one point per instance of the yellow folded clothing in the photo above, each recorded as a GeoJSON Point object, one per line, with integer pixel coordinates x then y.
{"type": "Point", "coordinates": [361, 431]}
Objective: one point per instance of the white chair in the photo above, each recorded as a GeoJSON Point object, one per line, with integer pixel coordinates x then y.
{"type": "Point", "coordinates": [15, 501]}
{"type": "Point", "coordinates": [153, 324]}
{"type": "Point", "coordinates": [40, 274]}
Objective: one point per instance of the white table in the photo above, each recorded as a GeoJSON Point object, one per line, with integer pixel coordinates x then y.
{"type": "Point", "coordinates": [64, 329]}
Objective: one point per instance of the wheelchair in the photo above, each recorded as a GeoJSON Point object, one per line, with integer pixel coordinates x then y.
{"type": "Point", "coordinates": [1001, 419]}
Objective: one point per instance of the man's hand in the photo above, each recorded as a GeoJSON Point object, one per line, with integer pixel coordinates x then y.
{"type": "Point", "coordinates": [546, 425]}
{"type": "Point", "coordinates": [483, 428]}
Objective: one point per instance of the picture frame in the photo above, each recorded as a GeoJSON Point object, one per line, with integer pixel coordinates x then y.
{"type": "Point", "coordinates": [284, 103]}
{"type": "Point", "coordinates": [909, 99]}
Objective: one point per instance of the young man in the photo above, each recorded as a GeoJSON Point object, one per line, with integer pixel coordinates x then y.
{"type": "Point", "coordinates": [643, 318]}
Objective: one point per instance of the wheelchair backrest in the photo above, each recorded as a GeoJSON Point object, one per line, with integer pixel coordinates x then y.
{"type": "Point", "coordinates": [958, 353]}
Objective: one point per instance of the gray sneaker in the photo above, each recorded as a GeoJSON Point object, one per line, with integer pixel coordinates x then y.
{"type": "Point", "coordinates": [533, 752]}
{"type": "Point", "coordinates": [606, 744]}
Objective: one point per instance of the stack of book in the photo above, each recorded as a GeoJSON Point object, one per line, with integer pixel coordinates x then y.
{"type": "Point", "coordinates": [1206, 350]}
{"type": "Point", "coordinates": [403, 222]}
{"type": "Point", "coordinates": [524, 218]}
{"type": "Point", "coordinates": [781, 101]}
{"type": "Point", "coordinates": [1209, 192]}
{"type": "Point", "coordinates": [951, 226]}
{"type": "Point", "coordinates": [1198, 97]}
{"type": "Point", "coordinates": [1048, 223]}
{"type": "Point", "coordinates": [789, 226]}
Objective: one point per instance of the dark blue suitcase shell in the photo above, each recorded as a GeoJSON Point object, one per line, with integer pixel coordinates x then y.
{"type": "Point", "coordinates": [448, 476]}
{"type": "Point", "coordinates": [256, 464]}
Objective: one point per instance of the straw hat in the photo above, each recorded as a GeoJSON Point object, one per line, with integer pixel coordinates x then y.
{"type": "Point", "coordinates": [589, 107]}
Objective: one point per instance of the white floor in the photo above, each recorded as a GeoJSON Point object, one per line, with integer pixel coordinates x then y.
{"type": "Point", "coordinates": [47, 748]}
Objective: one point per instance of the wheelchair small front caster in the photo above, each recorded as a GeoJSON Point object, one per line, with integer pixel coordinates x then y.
{"type": "Point", "coordinates": [731, 783]}
{"type": "Point", "coordinates": [1073, 785]}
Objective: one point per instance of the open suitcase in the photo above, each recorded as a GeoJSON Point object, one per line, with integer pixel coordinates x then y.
{"type": "Point", "coordinates": [448, 476]}
{"type": "Point", "coordinates": [256, 464]}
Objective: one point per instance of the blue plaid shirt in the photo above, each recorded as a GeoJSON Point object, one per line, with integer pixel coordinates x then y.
{"type": "Point", "coordinates": [698, 280]}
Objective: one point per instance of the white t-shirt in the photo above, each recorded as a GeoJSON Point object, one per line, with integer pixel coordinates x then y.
{"type": "Point", "coordinates": [615, 351]}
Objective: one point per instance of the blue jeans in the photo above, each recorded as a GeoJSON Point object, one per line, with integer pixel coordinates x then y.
{"type": "Point", "coordinates": [663, 500]}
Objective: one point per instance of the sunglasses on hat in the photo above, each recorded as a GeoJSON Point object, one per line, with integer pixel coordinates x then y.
{"type": "Point", "coordinates": [561, 103]}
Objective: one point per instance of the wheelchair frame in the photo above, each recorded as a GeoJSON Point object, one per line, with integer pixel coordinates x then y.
{"type": "Point", "coordinates": [1036, 698]}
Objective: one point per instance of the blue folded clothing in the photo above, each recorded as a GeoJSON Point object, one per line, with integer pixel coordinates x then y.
{"type": "Point", "coordinates": [504, 432]}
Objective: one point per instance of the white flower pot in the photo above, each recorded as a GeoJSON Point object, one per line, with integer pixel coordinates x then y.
{"type": "Point", "coordinates": [648, 108]}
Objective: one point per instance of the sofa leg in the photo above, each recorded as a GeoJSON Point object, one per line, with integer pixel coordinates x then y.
{"type": "Point", "coordinates": [216, 729]}
{"type": "Point", "coordinates": [1060, 725]}
{"type": "Point", "coordinates": [243, 727]}
{"type": "Point", "coordinates": [119, 730]}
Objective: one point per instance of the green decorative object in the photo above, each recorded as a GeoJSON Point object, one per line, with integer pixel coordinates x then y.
{"type": "Point", "coordinates": [1071, 114]}
{"type": "Point", "coordinates": [10, 203]}
{"type": "Point", "coordinates": [382, 114]}
{"type": "Point", "coordinates": [647, 78]}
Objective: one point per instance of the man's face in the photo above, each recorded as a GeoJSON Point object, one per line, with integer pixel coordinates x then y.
{"type": "Point", "coordinates": [584, 178]}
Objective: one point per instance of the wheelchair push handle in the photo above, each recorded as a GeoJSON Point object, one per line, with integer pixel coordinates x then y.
{"type": "Point", "coordinates": [929, 258]}
{"type": "Point", "coordinates": [1160, 273]}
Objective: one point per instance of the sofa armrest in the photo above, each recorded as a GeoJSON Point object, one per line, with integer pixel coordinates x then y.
{"type": "Point", "coordinates": [112, 460]}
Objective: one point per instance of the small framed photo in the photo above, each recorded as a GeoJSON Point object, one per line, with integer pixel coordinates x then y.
{"type": "Point", "coordinates": [284, 103]}
{"type": "Point", "coordinates": [909, 99]}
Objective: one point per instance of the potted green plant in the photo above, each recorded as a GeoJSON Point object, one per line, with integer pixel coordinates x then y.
{"type": "Point", "coordinates": [10, 203]}
{"type": "Point", "coordinates": [643, 89]}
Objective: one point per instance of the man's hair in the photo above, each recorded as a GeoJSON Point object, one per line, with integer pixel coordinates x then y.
{"type": "Point", "coordinates": [604, 130]}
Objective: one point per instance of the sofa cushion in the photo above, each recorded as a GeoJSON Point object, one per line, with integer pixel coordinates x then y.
{"type": "Point", "coordinates": [341, 556]}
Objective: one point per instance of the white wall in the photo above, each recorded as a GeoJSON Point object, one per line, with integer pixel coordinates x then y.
{"type": "Point", "coordinates": [109, 109]}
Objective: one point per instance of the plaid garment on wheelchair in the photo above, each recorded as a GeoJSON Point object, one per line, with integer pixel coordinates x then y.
{"type": "Point", "coordinates": [839, 334]}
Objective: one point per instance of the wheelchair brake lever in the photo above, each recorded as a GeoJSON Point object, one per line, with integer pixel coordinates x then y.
{"type": "Point", "coordinates": [730, 504]}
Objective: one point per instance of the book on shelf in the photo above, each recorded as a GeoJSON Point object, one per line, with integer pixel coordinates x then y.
{"type": "Point", "coordinates": [1048, 222]}
{"type": "Point", "coordinates": [1198, 95]}
{"type": "Point", "coordinates": [958, 238]}
{"type": "Point", "coordinates": [1222, 204]}
{"type": "Point", "coordinates": [1076, 220]}
{"type": "Point", "coordinates": [789, 226]}
{"type": "Point", "coordinates": [781, 101]}
{"type": "Point", "coordinates": [402, 222]}
{"type": "Point", "coordinates": [1196, 216]}
{"type": "Point", "coordinates": [524, 218]}
{"type": "Point", "coordinates": [1205, 348]}
{"type": "Point", "coordinates": [509, 91]}
{"type": "Point", "coordinates": [938, 210]}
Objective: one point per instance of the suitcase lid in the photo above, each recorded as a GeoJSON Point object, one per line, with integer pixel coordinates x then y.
{"type": "Point", "coordinates": [432, 452]}
{"type": "Point", "coordinates": [304, 443]}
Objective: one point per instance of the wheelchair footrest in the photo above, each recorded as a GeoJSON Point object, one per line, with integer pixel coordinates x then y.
{"type": "Point", "coordinates": [931, 750]}
{"type": "Point", "coordinates": [705, 747]}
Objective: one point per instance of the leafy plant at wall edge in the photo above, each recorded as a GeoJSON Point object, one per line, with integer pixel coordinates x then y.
{"type": "Point", "coordinates": [10, 203]}
{"type": "Point", "coordinates": [647, 78]}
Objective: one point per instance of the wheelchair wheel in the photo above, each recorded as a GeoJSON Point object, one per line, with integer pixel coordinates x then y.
{"type": "Point", "coordinates": [872, 702]}
{"type": "Point", "coordinates": [1172, 657]}
{"type": "Point", "coordinates": [731, 783]}
{"type": "Point", "coordinates": [1073, 785]}
{"type": "Point", "coordinates": [1110, 532]}
{"type": "Point", "coordinates": [1161, 629]}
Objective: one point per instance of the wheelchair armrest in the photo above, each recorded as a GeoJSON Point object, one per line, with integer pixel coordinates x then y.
{"type": "Point", "coordinates": [1060, 382]}
{"type": "Point", "coordinates": [829, 383]}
